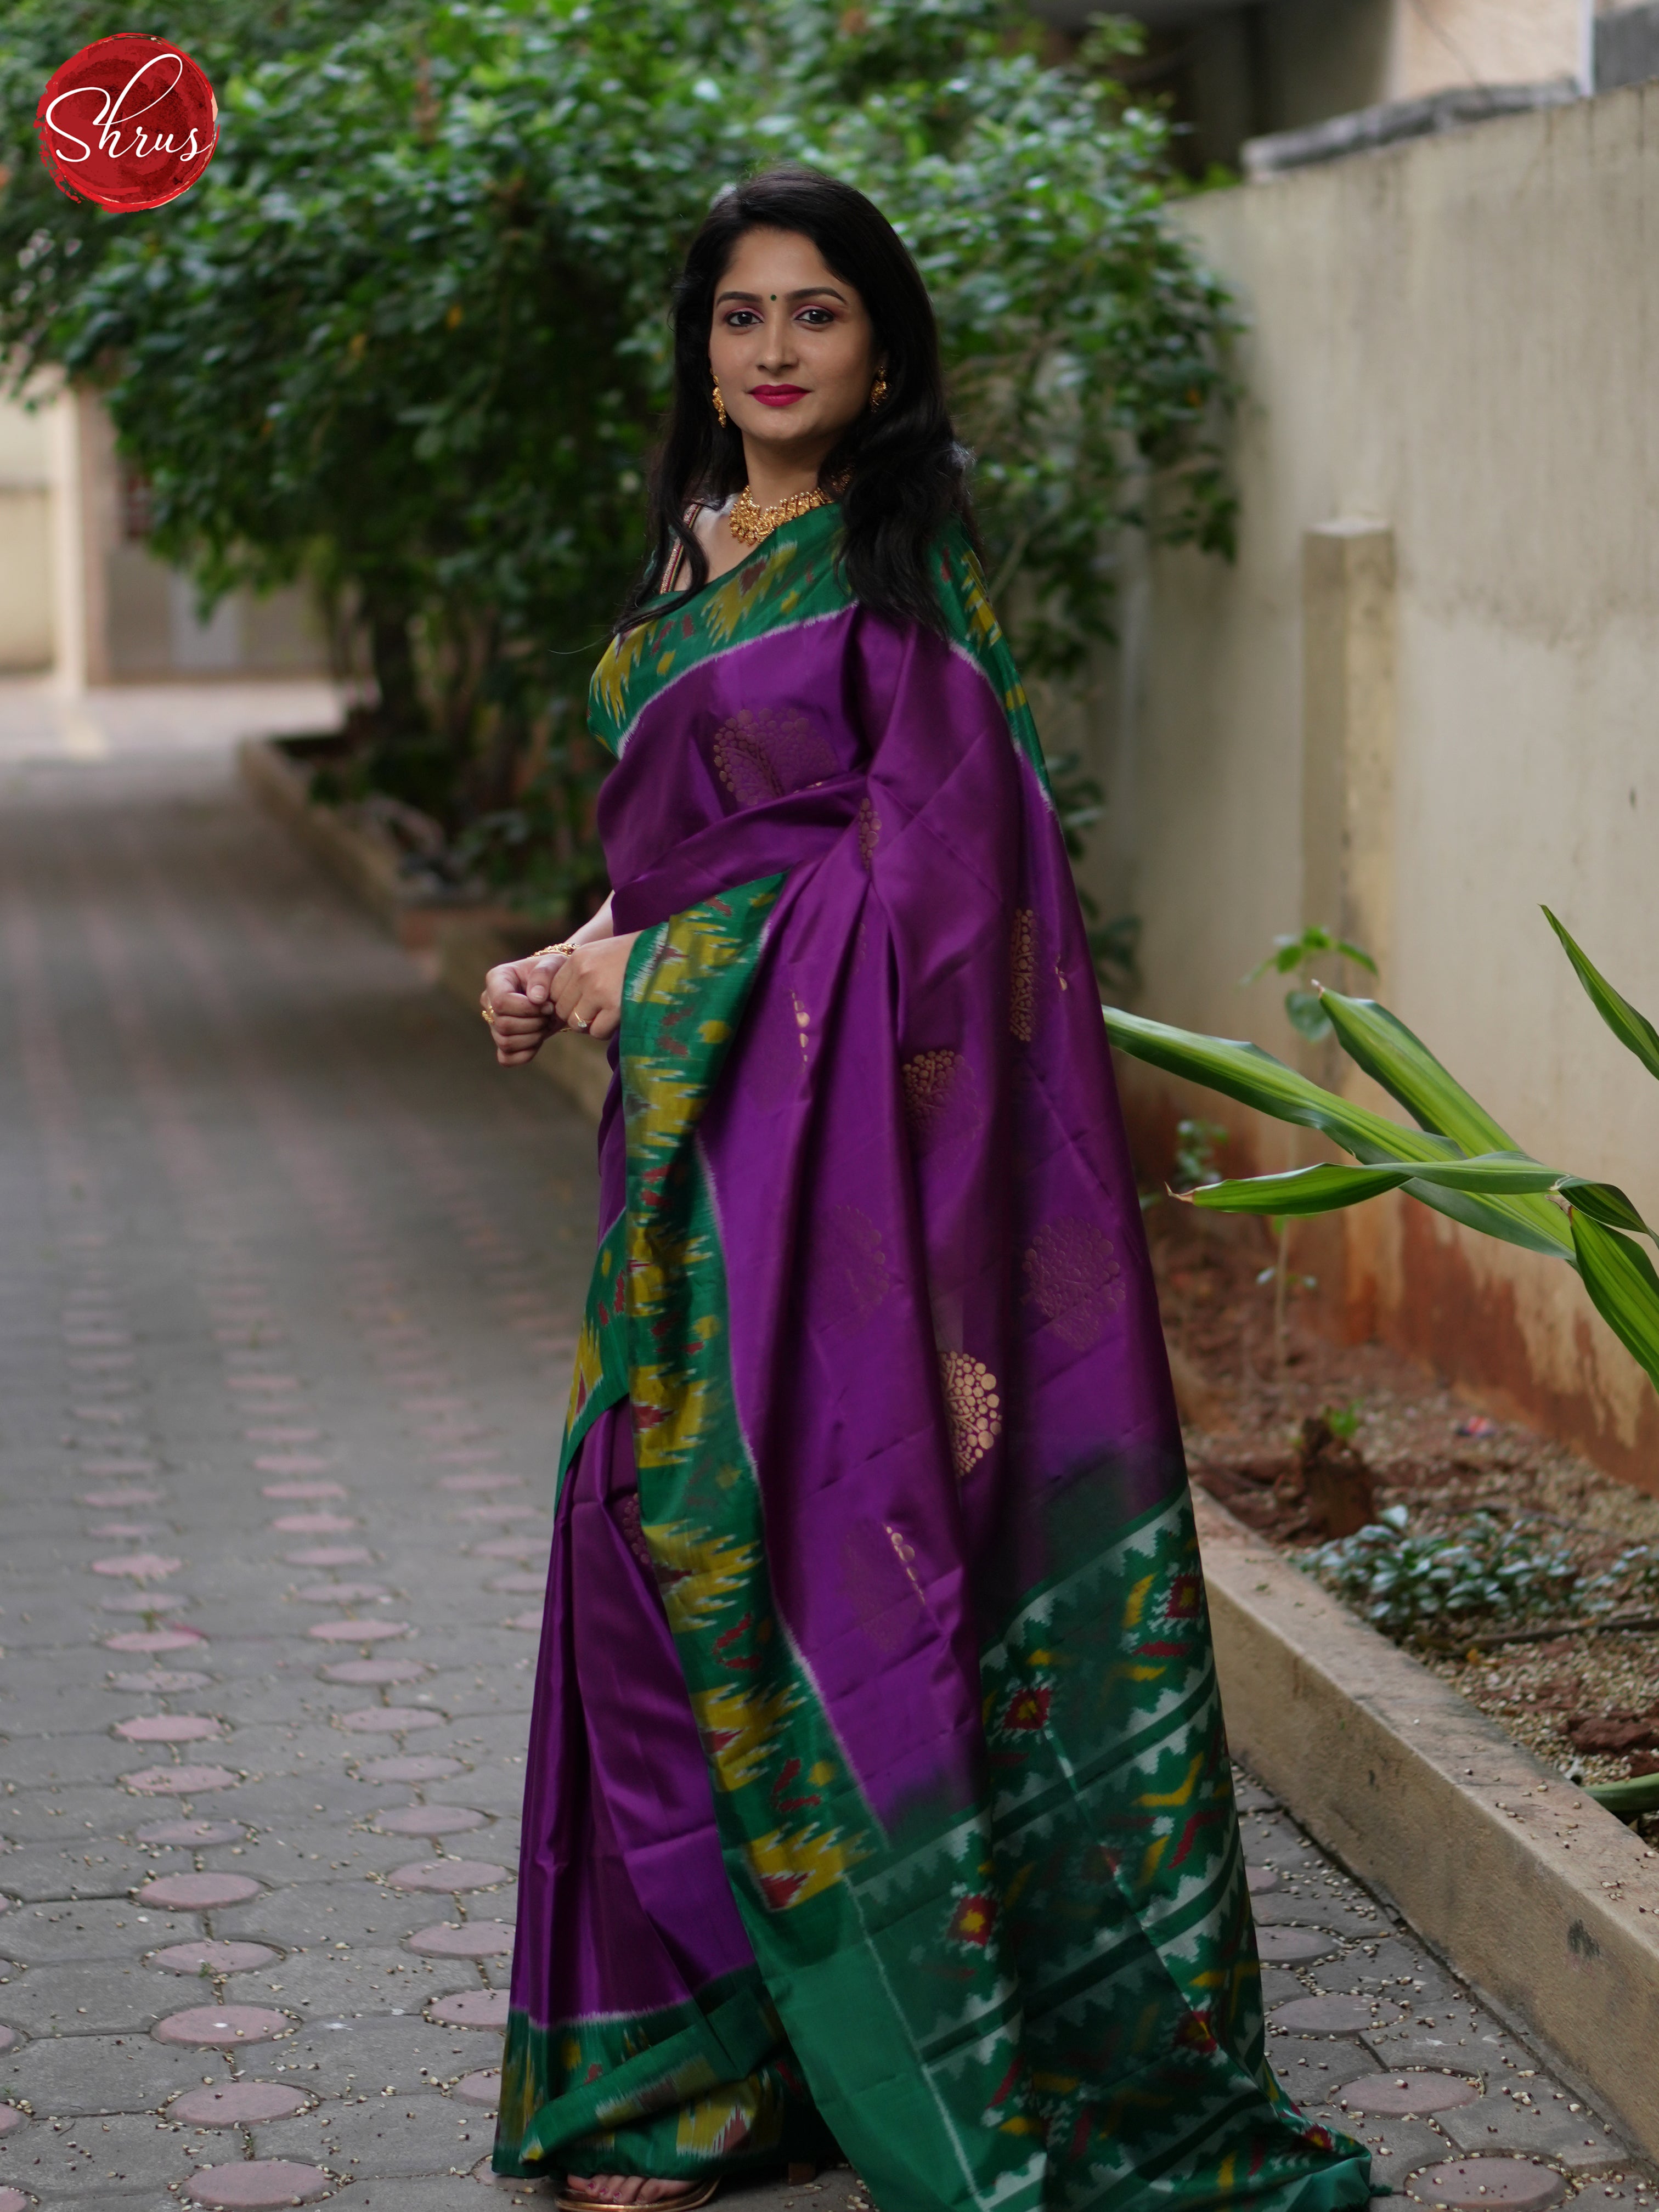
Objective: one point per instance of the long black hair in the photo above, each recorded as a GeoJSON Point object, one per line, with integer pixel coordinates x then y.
{"type": "Point", "coordinates": [906, 474]}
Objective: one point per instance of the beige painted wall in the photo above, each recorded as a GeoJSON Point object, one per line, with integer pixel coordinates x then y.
{"type": "Point", "coordinates": [1454, 347]}
{"type": "Point", "coordinates": [80, 597]}
{"type": "Point", "coordinates": [1441, 43]}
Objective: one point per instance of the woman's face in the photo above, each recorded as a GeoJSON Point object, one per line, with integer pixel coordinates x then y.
{"type": "Point", "coordinates": [791, 346]}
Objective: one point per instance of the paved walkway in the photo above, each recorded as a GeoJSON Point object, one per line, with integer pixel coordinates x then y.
{"type": "Point", "coordinates": [289, 1275]}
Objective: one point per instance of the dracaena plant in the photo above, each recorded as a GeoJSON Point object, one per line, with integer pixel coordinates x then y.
{"type": "Point", "coordinates": [1457, 1159]}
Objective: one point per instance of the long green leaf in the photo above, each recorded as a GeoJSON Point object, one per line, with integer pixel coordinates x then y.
{"type": "Point", "coordinates": [1634, 1031]}
{"type": "Point", "coordinates": [1326, 1189]}
{"type": "Point", "coordinates": [1620, 1279]}
{"type": "Point", "coordinates": [1299, 1191]}
{"type": "Point", "coordinates": [1255, 1079]}
{"type": "Point", "coordinates": [1604, 1202]}
{"type": "Point", "coordinates": [1394, 1056]}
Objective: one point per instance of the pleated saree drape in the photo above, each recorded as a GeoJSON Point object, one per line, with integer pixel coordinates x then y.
{"type": "Point", "coordinates": [878, 1789]}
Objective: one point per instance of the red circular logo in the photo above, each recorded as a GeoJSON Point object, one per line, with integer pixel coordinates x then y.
{"type": "Point", "coordinates": [129, 122]}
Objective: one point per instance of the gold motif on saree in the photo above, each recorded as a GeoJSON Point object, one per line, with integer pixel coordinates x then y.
{"type": "Point", "coordinates": [762, 755]}
{"type": "Point", "coordinates": [973, 1406]}
{"type": "Point", "coordinates": [869, 829]}
{"type": "Point", "coordinates": [856, 1270]}
{"type": "Point", "coordinates": [1073, 1280]}
{"type": "Point", "coordinates": [1022, 976]}
{"type": "Point", "coordinates": [933, 1082]}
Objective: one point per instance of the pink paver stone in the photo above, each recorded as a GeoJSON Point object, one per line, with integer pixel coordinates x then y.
{"type": "Point", "coordinates": [428, 1820]}
{"type": "Point", "coordinates": [178, 1781]}
{"type": "Point", "coordinates": [214, 1958]}
{"type": "Point", "coordinates": [162, 1679]}
{"type": "Point", "coordinates": [1261, 1879]}
{"type": "Point", "coordinates": [296, 1463]}
{"type": "Point", "coordinates": [142, 1566]}
{"type": "Point", "coordinates": [499, 1513]}
{"type": "Point", "coordinates": [479, 1939]}
{"type": "Point", "coordinates": [343, 1593]}
{"type": "Point", "coordinates": [329, 1555]}
{"type": "Point", "coordinates": [356, 1631]}
{"type": "Point", "coordinates": [221, 2027]}
{"type": "Point", "coordinates": [1294, 1947]}
{"type": "Point", "coordinates": [481, 1482]}
{"type": "Point", "coordinates": [382, 1673]}
{"type": "Point", "coordinates": [11, 2118]}
{"type": "Point", "coordinates": [314, 1524]}
{"type": "Point", "coordinates": [256, 2183]}
{"type": "Point", "coordinates": [483, 2088]}
{"type": "Point", "coordinates": [429, 1768]}
{"type": "Point", "coordinates": [450, 1875]}
{"type": "Point", "coordinates": [198, 1893]}
{"type": "Point", "coordinates": [130, 1532]}
{"type": "Point", "coordinates": [7, 2037]}
{"type": "Point", "coordinates": [509, 1548]}
{"type": "Point", "coordinates": [302, 1490]}
{"type": "Point", "coordinates": [1397, 2096]}
{"type": "Point", "coordinates": [388, 1720]}
{"type": "Point", "coordinates": [155, 1639]}
{"type": "Point", "coordinates": [526, 1585]}
{"type": "Point", "coordinates": [530, 1621]}
{"type": "Point", "coordinates": [236, 2105]}
{"type": "Point", "coordinates": [1332, 2015]}
{"type": "Point", "coordinates": [471, 2009]}
{"type": "Point", "coordinates": [1465, 2184]}
{"type": "Point", "coordinates": [13, 2200]}
{"type": "Point", "coordinates": [197, 1834]}
{"type": "Point", "coordinates": [168, 1728]}
{"type": "Point", "coordinates": [115, 1501]}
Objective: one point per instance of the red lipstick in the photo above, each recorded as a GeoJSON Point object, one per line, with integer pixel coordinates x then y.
{"type": "Point", "coordinates": [778, 395]}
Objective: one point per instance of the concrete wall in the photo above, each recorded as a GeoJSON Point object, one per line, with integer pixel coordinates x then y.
{"type": "Point", "coordinates": [81, 593]}
{"type": "Point", "coordinates": [1427, 695]}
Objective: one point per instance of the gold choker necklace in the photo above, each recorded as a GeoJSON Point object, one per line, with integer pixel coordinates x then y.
{"type": "Point", "coordinates": [749, 522]}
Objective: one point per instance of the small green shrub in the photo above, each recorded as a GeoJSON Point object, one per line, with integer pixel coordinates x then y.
{"type": "Point", "coordinates": [1406, 1585]}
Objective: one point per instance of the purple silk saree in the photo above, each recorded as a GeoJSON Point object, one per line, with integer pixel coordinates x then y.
{"type": "Point", "coordinates": [878, 1789]}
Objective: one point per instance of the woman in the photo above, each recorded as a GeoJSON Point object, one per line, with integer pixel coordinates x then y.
{"type": "Point", "coordinates": [879, 1794]}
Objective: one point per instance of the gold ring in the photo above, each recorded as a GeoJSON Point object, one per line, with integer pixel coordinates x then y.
{"type": "Point", "coordinates": [575, 1023]}
{"type": "Point", "coordinates": [547, 950]}
{"type": "Point", "coordinates": [489, 1013]}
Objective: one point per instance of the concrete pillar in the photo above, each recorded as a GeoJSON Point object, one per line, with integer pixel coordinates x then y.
{"type": "Point", "coordinates": [1349, 710]}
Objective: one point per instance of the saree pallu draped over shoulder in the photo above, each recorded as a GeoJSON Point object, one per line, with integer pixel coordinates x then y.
{"type": "Point", "coordinates": [878, 1790]}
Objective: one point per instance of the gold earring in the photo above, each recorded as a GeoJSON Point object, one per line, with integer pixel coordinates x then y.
{"type": "Point", "coordinates": [720, 405]}
{"type": "Point", "coordinates": [878, 389]}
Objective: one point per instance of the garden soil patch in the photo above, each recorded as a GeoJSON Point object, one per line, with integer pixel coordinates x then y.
{"type": "Point", "coordinates": [1261, 1440]}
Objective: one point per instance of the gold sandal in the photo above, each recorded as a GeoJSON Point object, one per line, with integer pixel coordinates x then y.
{"type": "Point", "coordinates": [697, 2195]}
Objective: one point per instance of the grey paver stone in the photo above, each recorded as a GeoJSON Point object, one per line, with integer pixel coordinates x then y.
{"type": "Point", "coordinates": [1548, 2128]}
{"type": "Point", "coordinates": [103, 2073]}
{"type": "Point", "coordinates": [405, 2134]}
{"type": "Point", "coordinates": [93, 2155]}
{"type": "Point", "coordinates": [54, 1934]}
{"type": "Point", "coordinates": [100, 1997]}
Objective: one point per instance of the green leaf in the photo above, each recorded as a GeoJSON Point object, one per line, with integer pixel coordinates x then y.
{"type": "Point", "coordinates": [1326, 1189]}
{"type": "Point", "coordinates": [1255, 1079]}
{"type": "Point", "coordinates": [1628, 1799]}
{"type": "Point", "coordinates": [1634, 1031]}
{"type": "Point", "coordinates": [1620, 1279]}
{"type": "Point", "coordinates": [1358, 954]}
{"type": "Point", "coordinates": [1394, 1056]}
{"type": "Point", "coordinates": [1604, 1202]}
{"type": "Point", "coordinates": [1308, 1018]}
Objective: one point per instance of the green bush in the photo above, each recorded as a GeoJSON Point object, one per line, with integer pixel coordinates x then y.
{"type": "Point", "coordinates": [1494, 1572]}
{"type": "Point", "coordinates": [408, 335]}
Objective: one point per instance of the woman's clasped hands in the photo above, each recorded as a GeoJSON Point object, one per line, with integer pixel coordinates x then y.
{"type": "Point", "coordinates": [527, 1001]}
